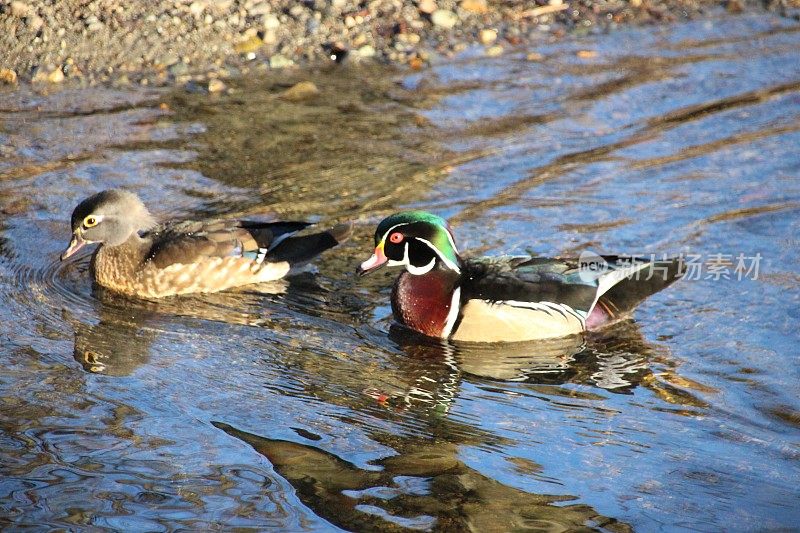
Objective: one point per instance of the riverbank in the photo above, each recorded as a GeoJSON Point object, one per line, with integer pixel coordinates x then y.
{"type": "Point", "coordinates": [163, 42]}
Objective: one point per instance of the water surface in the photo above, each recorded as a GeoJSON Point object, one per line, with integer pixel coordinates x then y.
{"type": "Point", "coordinates": [298, 407]}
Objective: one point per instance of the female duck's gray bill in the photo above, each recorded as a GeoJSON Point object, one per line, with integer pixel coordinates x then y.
{"type": "Point", "coordinates": [75, 244]}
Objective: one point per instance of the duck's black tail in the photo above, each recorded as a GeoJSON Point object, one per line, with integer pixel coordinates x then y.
{"type": "Point", "coordinates": [629, 291]}
{"type": "Point", "coordinates": [297, 250]}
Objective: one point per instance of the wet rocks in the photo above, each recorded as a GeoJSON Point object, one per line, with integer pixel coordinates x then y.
{"type": "Point", "coordinates": [494, 51]}
{"type": "Point", "coordinates": [299, 92]}
{"type": "Point", "coordinates": [444, 18]}
{"type": "Point", "coordinates": [426, 6]}
{"type": "Point", "coordinates": [279, 61]}
{"type": "Point", "coordinates": [488, 36]}
{"type": "Point", "coordinates": [19, 9]}
{"type": "Point", "coordinates": [8, 76]}
{"type": "Point", "coordinates": [366, 51]}
{"type": "Point", "coordinates": [216, 86]}
{"type": "Point", "coordinates": [48, 75]}
{"type": "Point", "coordinates": [474, 6]}
{"type": "Point", "coordinates": [249, 45]}
{"type": "Point", "coordinates": [109, 41]}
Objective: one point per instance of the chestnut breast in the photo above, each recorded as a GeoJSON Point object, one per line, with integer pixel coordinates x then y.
{"type": "Point", "coordinates": [423, 302]}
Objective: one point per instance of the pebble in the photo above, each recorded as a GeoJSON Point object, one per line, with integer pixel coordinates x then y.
{"type": "Point", "coordinates": [197, 8]}
{"type": "Point", "coordinates": [474, 6]}
{"type": "Point", "coordinates": [366, 51]}
{"type": "Point", "coordinates": [259, 9]}
{"type": "Point", "coordinates": [444, 18]}
{"type": "Point", "coordinates": [271, 22]}
{"type": "Point", "coordinates": [426, 6]}
{"type": "Point", "coordinates": [586, 54]}
{"type": "Point", "coordinates": [249, 45]}
{"type": "Point", "coordinates": [178, 69]}
{"type": "Point", "coordinates": [56, 76]}
{"type": "Point", "coordinates": [19, 9]}
{"type": "Point", "coordinates": [488, 36]}
{"type": "Point", "coordinates": [734, 6]}
{"type": "Point", "coordinates": [34, 22]}
{"type": "Point", "coordinates": [8, 76]}
{"type": "Point", "coordinates": [534, 56]}
{"type": "Point", "coordinates": [279, 61]}
{"type": "Point", "coordinates": [300, 91]}
{"type": "Point", "coordinates": [494, 51]}
{"type": "Point", "coordinates": [216, 86]}
{"type": "Point", "coordinates": [270, 37]}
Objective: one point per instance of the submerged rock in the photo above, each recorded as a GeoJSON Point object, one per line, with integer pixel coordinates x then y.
{"type": "Point", "coordinates": [300, 91]}
{"type": "Point", "coordinates": [8, 76]}
{"type": "Point", "coordinates": [216, 86]}
{"type": "Point", "coordinates": [494, 51]}
{"type": "Point", "coordinates": [444, 18]}
{"type": "Point", "coordinates": [488, 36]}
{"type": "Point", "coordinates": [279, 61]}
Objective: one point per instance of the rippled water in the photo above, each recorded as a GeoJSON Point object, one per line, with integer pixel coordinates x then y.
{"type": "Point", "coordinates": [297, 407]}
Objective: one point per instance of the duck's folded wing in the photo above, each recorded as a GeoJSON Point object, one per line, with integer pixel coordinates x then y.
{"type": "Point", "coordinates": [526, 281]}
{"type": "Point", "coordinates": [504, 298]}
{"type": "Point", "coordinates": [190, 242]}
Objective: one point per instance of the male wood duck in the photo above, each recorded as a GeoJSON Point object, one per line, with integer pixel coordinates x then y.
{"type": "Point", "coordinates": [504, 299]}
{"type": "Point", "coordinates": [140, 257]}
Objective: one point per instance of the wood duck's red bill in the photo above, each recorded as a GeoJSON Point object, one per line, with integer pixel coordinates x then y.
{"type": "Point", "coordinates": [74, 245]}
{"type": "Point", "coordinates": [377, 260]}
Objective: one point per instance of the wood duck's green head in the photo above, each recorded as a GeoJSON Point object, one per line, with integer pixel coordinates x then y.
{"type": "Point", "coordinates": [109, 217]}
{"type": "Point", "coordinates": [416, 240]}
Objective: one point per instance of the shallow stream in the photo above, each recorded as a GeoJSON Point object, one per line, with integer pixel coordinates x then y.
{"type": "Point", "coordinates": [298, 407]}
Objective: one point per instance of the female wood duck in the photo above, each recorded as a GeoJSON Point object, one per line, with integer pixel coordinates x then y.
{"type": "Point", "coordinates": [441, 294]}
{"type": "Point", "coordinates": [139, 257]}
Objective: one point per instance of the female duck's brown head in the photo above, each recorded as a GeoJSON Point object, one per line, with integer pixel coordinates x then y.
{"type": "Point", "coordinates": [110, 217]}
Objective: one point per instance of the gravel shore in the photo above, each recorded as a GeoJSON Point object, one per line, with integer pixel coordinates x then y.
{"type": "Point", "coordinates": [161, 42]}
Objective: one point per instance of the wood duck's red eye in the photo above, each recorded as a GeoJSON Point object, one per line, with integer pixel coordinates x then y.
{"type": "Point", "coordinates": [396, 238]}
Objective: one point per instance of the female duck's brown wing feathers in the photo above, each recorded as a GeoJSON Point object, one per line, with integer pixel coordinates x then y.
{"type": "Point", "coordinates": [188, 242]}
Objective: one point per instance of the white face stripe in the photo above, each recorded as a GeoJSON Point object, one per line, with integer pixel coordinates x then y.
{"type": "Point", "coordinates": [446, 261]}
{"type": "Point", "coordinates": [452, 316]}
{"type": "Point", "coordinates": [417, 271]}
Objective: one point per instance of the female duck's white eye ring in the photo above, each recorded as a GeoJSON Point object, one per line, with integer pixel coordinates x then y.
{"type": "Point", "coordinates": [90, 221]}
{"type": "Point", "coordinates": [396, 238]}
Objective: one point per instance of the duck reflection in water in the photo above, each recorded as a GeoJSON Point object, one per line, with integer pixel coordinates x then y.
{"type": "Point", "coordinates": [425, 486]}
{"type": "Point", "coordinates": [122, 339]}
{"type": "Point", "coordinates": [616, 360]}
